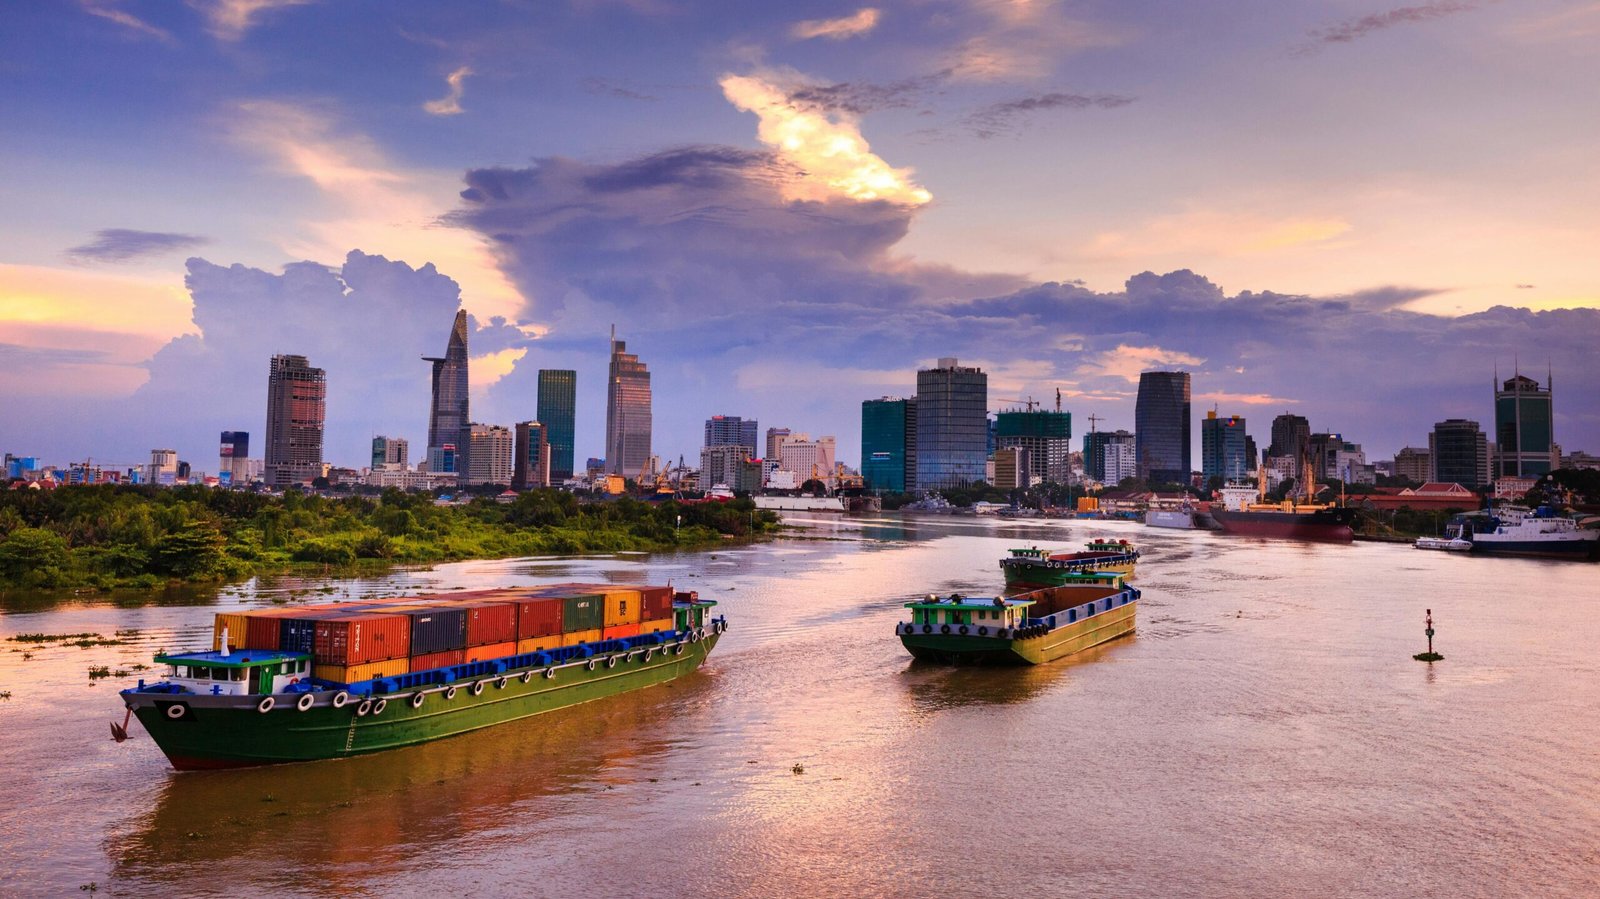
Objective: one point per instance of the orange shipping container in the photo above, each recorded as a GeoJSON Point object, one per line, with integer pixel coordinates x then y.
{"type": "Point", "coordinates": [576, 637]}
{"type": "Point", "coordinates": [441, 659]}
{"type": "Point", "coordinates": [619, 631]}
{"type": "Point", "coordinates": [491, 622]}
{"type": "Point", "coordinates": [238, 627]}
{"type": "Point", "coordinates": [349, 674]}
{"type": "Point", "coordinates": [622, 607]}
{"type": "Point", "coordinates": [539, 644]}
{"type": "Point", "coordinates": [491, 651]}
{"type": "Point", "coordinates": [655, 627]}
{"type": "Point", "coordinates": [362, 638]}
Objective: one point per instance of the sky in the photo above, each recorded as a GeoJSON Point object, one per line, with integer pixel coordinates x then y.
{"type": "Point", "coordinates": [1359, 211]}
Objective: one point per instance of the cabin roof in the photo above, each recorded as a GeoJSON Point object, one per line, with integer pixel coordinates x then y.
{"type": "Point", "coordinates": [969, 603]}
{"type": "Point", "coordinates": [237, 658]}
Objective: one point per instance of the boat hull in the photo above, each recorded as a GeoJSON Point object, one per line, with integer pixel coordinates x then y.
{"type": "Point", "coordinates": [1581, 549]}
{"type": "Point", "coordinates": [1328, 525]}
{"type": "Point", "coordinates": [1158, 518]}
{"type": "Point", "coordinates": [229, 731]}
{"type": "Point", "coordinates": [955, 649]}
{"type": "Point", "coordinates": [1031, 574]}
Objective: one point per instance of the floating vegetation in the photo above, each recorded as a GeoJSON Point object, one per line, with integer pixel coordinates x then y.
{"type": "Point", "coordinates": [98, 671]}
{"type": "Point", "coordinates": [798, 768]}
{"type": "Point", "coordinates": [1428, 657]}
{"type": "Point", "coordinates": [129, 632]}
{"type": "Point", "coordinates": [51, 638]}
{"type": "Point", "coordinates": [5, 694]}
{"type": "Point", "coordinates": [120, 672]}
{"type": "Point", "coordinates": [97, 640]}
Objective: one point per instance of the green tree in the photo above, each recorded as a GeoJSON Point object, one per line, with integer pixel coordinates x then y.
{"type": "Point", "coordinates": [192, 551]}
{"type": "Point", "coordinates": [33, 556]}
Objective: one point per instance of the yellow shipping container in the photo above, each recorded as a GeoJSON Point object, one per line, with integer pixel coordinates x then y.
{"type": "Point", "coordinates": [655, 627]}
{"type": "Point", "coordinates": [576, 637]}
{"type": "Point", "coordinates": [349, 674]}
{"type": "Point", "coordinates": [539, 644]}
{"type": "Point", "coordinates": [623, 607]}
{"type": "Point", "coordinates": [237, 626]}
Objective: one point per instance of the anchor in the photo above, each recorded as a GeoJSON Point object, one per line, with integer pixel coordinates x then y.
{"type": "Point", "coordinates": [119, 732]}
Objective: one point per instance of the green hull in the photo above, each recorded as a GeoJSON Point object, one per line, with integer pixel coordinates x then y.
{"type": "Point", "coordinates": [229, 731]}
{"type": "Point", "coordinates": [1036, 577]}
{"type": "Point", "coordinates": [955, 649]}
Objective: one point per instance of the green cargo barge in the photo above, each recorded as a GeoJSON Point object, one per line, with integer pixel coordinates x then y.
{"type": "Point", "coordinates": [241, 708]}
{"type": "Point", "coordinates": [1027, 629]}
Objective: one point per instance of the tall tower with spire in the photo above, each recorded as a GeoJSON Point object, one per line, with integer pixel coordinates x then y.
{"type": "Point", "coordinates": [628, 421]}
{"type": "Point", "coordinates": [450, 418]}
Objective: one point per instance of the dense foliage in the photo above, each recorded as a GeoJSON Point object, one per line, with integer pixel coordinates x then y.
{"type": "Point", "coordinates": [105, 536]}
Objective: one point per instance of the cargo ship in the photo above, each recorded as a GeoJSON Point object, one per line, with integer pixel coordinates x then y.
{"type": "Point", "coordinates": [1026, 629]}
{"type": "Point", "coordinates": [1519, 531]}
{"type": "Point", "coordinates": [1244, 510]}
{"type": "Point", "coordinates": [329, 681]}
{"type": "Point", "coordinates": [1033, 567]}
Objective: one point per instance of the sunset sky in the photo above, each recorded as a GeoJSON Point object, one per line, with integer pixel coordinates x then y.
{"type": "Point", "coordinates": [1354, 210]}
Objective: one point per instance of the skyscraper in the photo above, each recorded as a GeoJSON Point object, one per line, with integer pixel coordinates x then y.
{"type": "Point", "coordinates": [1460, 453]}
{"type": "Point", "coordinates": [911, 444]}
{"type": "Point", "coordinates": [1161, 427]}
{"type": "Point", "coordinates": [390, 453]}
{"type": "Point", "coordinates": [234, 457]}
{"type": "Point", "coordinates": [627, 412]}
{"type": "Point", "coordinates": [883, 443]}
{"type": "Point", "coordinates": [558, 410]}
{"type": "Point", "coordinates": [1046, 435]}
{"type": "Point", "coordinates": [731, 430]}
{"type": "Point", "coordinates": [449, 424]}
{"type": "Point", "coordinates": [952, 426]}
{"type": "Point", "coordinates": [1291, 439]}
{"type": "Point", "coordinates": [491, 456]}
{"type": "Point", "coordinates": [297, 397]}
{"type": "Point", "coordinates": [774, 440]}
{"type": "Point", "coordinates": [533, 455]}
{"type": "Point", "coordinates": [1524, 417]}
{"type": "Point", "coordinates": [1223, 447]}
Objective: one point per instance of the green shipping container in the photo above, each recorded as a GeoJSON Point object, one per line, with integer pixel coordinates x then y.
{"type": "Point", "coordinates": [582, 613]}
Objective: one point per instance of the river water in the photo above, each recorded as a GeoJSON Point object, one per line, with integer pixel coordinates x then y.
{"type": "Point", "coordinates": [1266, 732]}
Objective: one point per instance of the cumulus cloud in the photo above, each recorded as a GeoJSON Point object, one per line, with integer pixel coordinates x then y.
{"type": "Point", "coordinates": [128, 245]}
{"type": "Point", "coordinates": [230, 20]}
{"type": "Point", "coordinates": [854, 25]}
{"type": "Point", "coordinates": [1352, 30]}
{"type": "Point", "coordinates": [996, 118]}
{"type": "Point", "coordinates": [450, 103]}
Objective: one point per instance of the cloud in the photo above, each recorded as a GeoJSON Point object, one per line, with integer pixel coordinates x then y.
{"type": "Point", "coordinates": [107, 9]}
{"type": "Point", "coordinates": [1204, 231]}
{"type": "Point", "coordinates": [1127, 362]}
{"type": "Point", "coordinates": [996, 118]}
{"type": "Point", "coordinates": [230, 20]}
{"type": "Point", "coordinates": [854, 25]}
{"type": "Point", "coordinates": [861, 97]}
{"type": "Point", "coordinates": [1243, 399]}
{"type": "Point", "coordinates": [127, 245]}
{"type": "Point", "coordinates": [611, 88]}
{"type": "Point", "coordinates": [450, 103]}
{"type": "Point", "coordinates": [829, 149]}
{"type": "Point", "coordinates": [1020, 39]}
{"type": "Point", "coordinates": [1352, 30]}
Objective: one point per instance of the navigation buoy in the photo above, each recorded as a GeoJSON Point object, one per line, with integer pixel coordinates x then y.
{"type": "Point", "coordinates": [1430, 655]}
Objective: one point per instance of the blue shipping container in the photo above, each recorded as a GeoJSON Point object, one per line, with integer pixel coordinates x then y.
{"type": "Point", "coordinates": [438, 630]}
{"type": "Point", "coordinates": [297, 634]}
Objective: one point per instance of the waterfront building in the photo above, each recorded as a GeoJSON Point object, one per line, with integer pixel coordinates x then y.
{"type": "Point", "coordinates": [1012, 470]}
{"type": "Point", "coordinates": [952, 426]}
{"type": "Point", "coordinates": [1291, 440]}
{"type": "Point", "coordinates": [491, 456]}
{"type": "Point", "coordinates": [720, 465]}
{"type": "Point", "coordinates": [731, 430]}
{"type": "Point", "coordinates": [749, 476]}
{"type": "Point", "coordinates": [233, 457]}
{"type": "Point", "coordinates": [1161, 427]}
{"type": "Point", "coordinates": [1224, 449]}
{"type": "Point", "coordinates": [297, 396]}
{"type": "Point", "coordinates": [628, 411]}
{"type": "Point", "coordinates": [805, 458]}
{"type": "Point", "coordinates": [1460, 453]}
{"type": "Point", "coordinates": [558, 412]}
{"type": "Point", "coordinates": [1414, 464]}
{"type": "Point", "coordinates": [1046, 435]}
{"type": "Point", "coordinates": [449, 422]}
{"type": "Point", "coordinates": [390, 453]}
{"type": "Point", "coordinates": [883, 443]}
{"type": "Point", "coordinates": [532, 466]}
{"type": "Point", "coordinates": [911, 444]}
{"type": "Point", "coordinates": [1524, 416]}
{"type": "Point", "coordinates": [774, 440]}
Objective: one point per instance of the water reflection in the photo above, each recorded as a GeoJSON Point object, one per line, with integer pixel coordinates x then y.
{"type": "Point", "coordinates": [931, 687]}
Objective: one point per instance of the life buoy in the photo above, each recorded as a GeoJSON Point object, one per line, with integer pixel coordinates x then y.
{"type": "Point", "coordinates": [340, 699]}
{"type": "Point", "coordinates": [305, 702]}
{"type": "Point", "coordinates": [379, 706]}
{"type": "Point", "coordinates": [678, 650]}
{"type": "Point", "coordinates": [364, 709]}
{"type": "Point", "coordinates": [611, 661]}
{"type": "Point", "coordinates": [266, 704]}
{"type": "Point", "coordinates": [477, 688]}
{"type": "Point", "coordinates": [450, 692]}
{"type": "Point", "coordinates": [590, 665]}
{"type": "Point", "coordinates": [500, 682]}
{"type": "Point", "coordinates": [648, 654]}
{"type": "Point", "coordinates": [1001, 633]}
{"type": "Point", "coordinates": [944, 629]}
{"type": "Point", "coordinates": [983, 630]}
{"type": "Point", "coordinates": [927, 628]}
{"type": "Point", "coordinates": [528, 675]}
{"type": "Point", "coordinates": [177, 710]}
{"type": "Point", "coordinates": [549, 674]}
{"type": "Point", "coordinates": [416, 700]}
{"type": "Point", "coordinates": [962, 630]}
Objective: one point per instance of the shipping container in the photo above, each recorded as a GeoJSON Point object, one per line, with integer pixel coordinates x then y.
{"type": "Point", "coordinates": [362, 637]}
{"type": "Point", "coordinates": [238, 627]}
{"type": "Point", "coordinates": [583, 612]}
{"type": "Point", "coordinates": [573, 638]}
{"type": "Point", "coordinates": [491, 651]}
{"type": "Point", "coordinates": [622, 607]}
{"type": "Point", "coordinates": [349, 674]}
{"type": "Point", "coordinates": [656, 626]}
{"type": "Point", "coordinates": [491, 622]}
{"type": "Point", "coordinates": [297, 630]}
{"type": "Point", "coordinates": [618, 631]}
{"type": "Point", "coordinates": [539, 644]}
{"type": "Point", "coordinates": [262, 630]}
{"type": "Point", "coordinates": [656, 602]}
{"type": "Point", "coordinates": [539, 616]}
{"type": "Point", "coordinates": [438, 659]}
{"type": "Point", "coordinates": [437, 628]}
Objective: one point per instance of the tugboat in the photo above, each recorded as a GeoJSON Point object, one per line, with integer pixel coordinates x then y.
{"type": "Point", "coordinates": [1027, 629]}
{"type": "Point", "coordinates": [1519, 531]}
{"type": "Point", "coordinates": [1032, 567]}
{"type": "Point", "coordinates": [233, 707]}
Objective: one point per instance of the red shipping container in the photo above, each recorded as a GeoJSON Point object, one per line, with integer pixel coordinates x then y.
{"type": "Point", "coordinates": [539, 617]}
{"type": "Point", "coordinates": [361, 638]}
{"type": "Point", "coordinates": [491, 651]}
{"type": "Point", "coordinates": [491, 622]}
{"type": "Point", "coordinates": [618, 631]}
{"type": "Point", "coordinates": [438, 659]}
{"type": "Point", "coordinates": [657, 602]}
{"type": "Point", "coordinates": [261, 632]}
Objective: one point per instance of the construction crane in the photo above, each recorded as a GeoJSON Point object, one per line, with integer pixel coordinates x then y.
{"type": "Point", "coordinates": [1030, 403]}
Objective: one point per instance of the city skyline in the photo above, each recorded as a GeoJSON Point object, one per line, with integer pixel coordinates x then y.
{"type": "Point", "coordinates": [1062, 197]}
